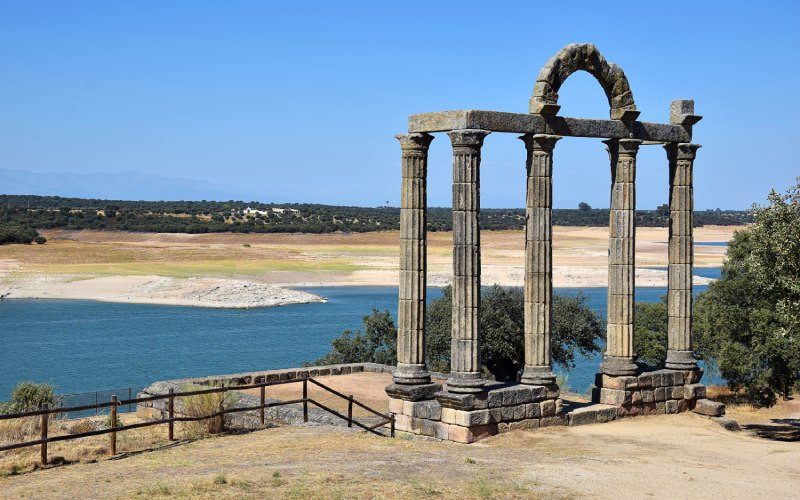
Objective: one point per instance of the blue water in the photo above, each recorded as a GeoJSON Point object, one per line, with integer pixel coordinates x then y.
{"type": "Point", "coordinates": [711, 243]}
{"type": "Point", "coordinates": [81, 346]}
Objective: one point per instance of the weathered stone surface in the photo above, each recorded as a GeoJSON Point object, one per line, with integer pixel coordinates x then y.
{"type": "Point", "coordinates": [413, 392]}
{"type": "Point", "coordinates": [592, 414]}
{"type": "Point", "coordinates": [499, 121]}
{"type": "Point", "coordinates": [553, 421]}
{"type": "Point", "coordinates": [429, 409]}
{"type": "Point", "coordinates": [694, 391]}
{"type": "Point", "coordinates": [527, 424]}
{"type": "Point", "coordinates": [709, 408]}
{"type": "Point", "coordinates": [671, 406]}
{"type": "Point", "coordinates": [615, 397]}
{"type": "Point", "coordinates": [468, 435]}
{"type": "Point", "coordinates": [396, 406]}
{"type": "Point", "coordinates": [727, 423]}
{"type": "Point", "coordinates": [458, 401]}
{"type": "Point", "coordinates": [548, 408]}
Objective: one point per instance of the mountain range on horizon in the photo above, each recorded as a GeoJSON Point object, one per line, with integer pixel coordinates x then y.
{"type": "Point", "coordinates": [126, 185]}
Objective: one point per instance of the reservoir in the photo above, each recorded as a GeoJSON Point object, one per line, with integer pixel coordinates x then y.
{"type": "Point", "coordinates": [82, 346]}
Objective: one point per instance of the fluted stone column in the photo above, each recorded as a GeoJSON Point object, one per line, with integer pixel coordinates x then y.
{"type": "Point", "coordinates": [465, 354]}
{"type": "Point", "coordinates": [539, 259]}
{"type": "Point", "coordinates": [619, 357]}
{"type": "Point", "coordinates": [680, 355]}
{"type": "Point", "coordinates": [411, 368]}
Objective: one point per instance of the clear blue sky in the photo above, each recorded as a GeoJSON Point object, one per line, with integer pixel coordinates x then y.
{"type": "Point", "coordinates": [299, 101]}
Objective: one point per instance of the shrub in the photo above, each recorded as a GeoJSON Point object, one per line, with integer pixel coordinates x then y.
{"type": "Point", "coordinates": [29, 396]}
{"type": "Point", "coordinates": [206, 404]}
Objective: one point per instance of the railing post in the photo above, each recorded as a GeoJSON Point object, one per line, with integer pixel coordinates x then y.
{"type": "Point", "coordinates": [113, 425]}
{"type": "Point", "coordinates": [350, 411]}
{"type": "Point", "coordinates": [305, 399]}
{"type": "Point", "coordinates": [130, 396]}
{"type": "Point", "coordinates": [171, 410]}
{"type": "Point", "coordinates": [45, 419]}
{"type": "Point", "coordinates": [263, 401]}
{"type": "Point", "coordinates": [392, 431]}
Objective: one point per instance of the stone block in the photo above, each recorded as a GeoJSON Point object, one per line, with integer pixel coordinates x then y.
{"type": "Point", "coordinates": [533, 410]}
{"type": "Point", "coordinates": [709, 408]}
{"type": "Point", "coordinates": [548, 407]}
{"type": "Point", "coordinates": [423, 409]}
{"type": "Point", "coordinates": [396, 406]}
{"type": "Point", "coordinates": [402, 423]}
{"type": "Point", "coordinates": [559, 407]}
{"type": "Point", "coordinates": [683, 405]}
{"type": "Point", "coordinates": [648, 396]}
{"type": "Point", "coordinates": [538, 393]}
{"type": "Point", "coordinates": [661, 407]}
{"type": "Point", "coordinates": [671, 406]}
{"type": "Point", "coordinates": [422, 426]}
{"type": "Point", "coordinates": [448, 415]}
{"type": "Point", "coordinates": [727, 423]}
{"type": "Point", "coordinates": [463, 401]}
{"type": "Point", "coordinates": [693, 376]}
{"type": "Point", "coordinates": [645, 381]}
{"type": "Point", "coordinates": [324, 371]}
{"type": "Point", "coordinates": [441, 430]}
{"type": "Point", "coordinates": [553, 421]}
{"type": "Point", "coordinates": [468, 435]}
{"type": "Point", "coordinates": [552, 391]}
{"type": "Point", "coordinates": [413, 392]}
{"type": "Point", "coordinates": [495, 399]}
{"type": "Point", "coordinates": [592, 414]}
{"type": "Point", "coordinates": [503, 427]}
{"type": "Point", "coordinates": [694, 391]}
{"type": "Point", "coordinates": [471, 418]}
{"type": "Point", "coordinates": [507, 413]}
{"type": "Point", "coordinates": [660, 394]}
{"type": "Point", "coordinates": [636, 397]}
{"type": "Point", "coordinates": [619, 383]}
{"type": "Point", "coordinates": [496, 415]}
{"type": "Point", "coordinates": [527, 424]}
{"type": "Point", "coordinates": [678, 378]}
{"type": "Point", "coordinates": [519, 411]}
{"type": "Point", "coordinates": [615, 397]}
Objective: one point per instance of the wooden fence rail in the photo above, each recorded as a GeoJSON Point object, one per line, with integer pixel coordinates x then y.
{"type": "Point", "coordinates": [44, 412]}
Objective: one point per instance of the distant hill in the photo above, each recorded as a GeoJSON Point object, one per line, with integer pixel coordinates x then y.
{"type": "Point", "coordinates": [44, 212]}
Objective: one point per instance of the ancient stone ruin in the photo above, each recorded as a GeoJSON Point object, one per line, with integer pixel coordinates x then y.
{"type": "Point", "coordinates": [470, 407]}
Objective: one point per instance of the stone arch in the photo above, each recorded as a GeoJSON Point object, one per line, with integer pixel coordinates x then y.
{"type": "Point", "coordinates": [586, 57]}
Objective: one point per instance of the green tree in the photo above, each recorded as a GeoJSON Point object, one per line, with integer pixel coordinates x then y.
{"type": "Point", "coordinates": [584, 207]}
{"type": "Point", "coordinates": [748, 322]}
{"type": "Point", "coordinates": [576, 328]}
{"type": "Point", "coordinates": [378, 343]}
{"type": "Point", "coordinates": [650, 332]}
{"type": "Point", "coordinates": [28, 396]}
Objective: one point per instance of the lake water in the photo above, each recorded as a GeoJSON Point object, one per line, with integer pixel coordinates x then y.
{"type": "Point", "coordinates": [81, 346]}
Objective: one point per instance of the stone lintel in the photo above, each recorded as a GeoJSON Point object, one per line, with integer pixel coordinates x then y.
{"type": "Point", "coordinates": [499, 121]}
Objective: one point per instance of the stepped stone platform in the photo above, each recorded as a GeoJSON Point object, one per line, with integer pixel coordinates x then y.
{"type": "Point", "coordinates": [466, 418]}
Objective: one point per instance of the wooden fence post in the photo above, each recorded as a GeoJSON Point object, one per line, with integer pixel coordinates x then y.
{"type": "Point", "coordinates": [171, 410]}
{"type": "Point", "coordinates": [45, 419]}
{"type": "Point", "coordinates": [392, 431]}
{"type": "Point", "coordinates": [113, 425]}
{"type": "Point", "coordinates": [222, 409]}
{"type": "Point", "coordinates": [305, 399]}
{"type": "Point", "coordinates": [263, 401]}
{"type": "Point", "coordinates": [350, 411]}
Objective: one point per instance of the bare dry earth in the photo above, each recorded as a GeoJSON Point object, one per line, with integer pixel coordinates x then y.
{"type": "Point", "coordinates": [236, 270]}
{"type": "Point", "coordinates": [673, 456]}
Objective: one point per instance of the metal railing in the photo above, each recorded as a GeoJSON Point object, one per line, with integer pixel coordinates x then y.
{"type": "Point", "coordinates": [114, 404]}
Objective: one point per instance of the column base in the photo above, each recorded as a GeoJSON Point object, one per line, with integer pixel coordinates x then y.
{"type": "Point", "coordinates": [407, 392]}
{"type": "Point", "coordinates": [537, 375]}
{"type": "Point", "coordinates": [465, 382]}
{"type": "Point", "coordinates": [618, 366]}
{"type": "Point", "coordinates": [680, 360]}
{"type": "Point", "coordinates": [411, 374]}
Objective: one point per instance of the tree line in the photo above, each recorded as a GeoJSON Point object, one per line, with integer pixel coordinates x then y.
{"type": "Point", "coordinates": [49, 212]}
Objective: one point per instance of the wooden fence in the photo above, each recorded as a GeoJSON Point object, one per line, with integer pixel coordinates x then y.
{"type": "Point", "coordinates": [45, 413]}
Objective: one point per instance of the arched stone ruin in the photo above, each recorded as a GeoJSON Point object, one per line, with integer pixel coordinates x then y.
{"type": "Point", "coordinates": [469, 407]}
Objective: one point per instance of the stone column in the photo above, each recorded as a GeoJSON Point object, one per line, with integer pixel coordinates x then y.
{"type": "Point", "coordinates": [465, 353]}
{"type": "Point", "coordinates": [680, 355]}
{"type": "Point", "coordinates": [619, 358]}
{"type": "Point", "coordinates": [411, 368]}
{"type": "Point", "coordinates": [539, 259]}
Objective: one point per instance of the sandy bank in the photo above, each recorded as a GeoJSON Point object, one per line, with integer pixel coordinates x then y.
{"type": "Point", "coordinates": [198, 292]}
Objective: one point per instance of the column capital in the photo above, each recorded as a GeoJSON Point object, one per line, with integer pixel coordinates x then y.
{"type": "Point", "coordinates": [681, 150]}
{"type": "Point", "coordinates": [540, 142]}
{"type": "Point", "coordinates": [470, 138]}
{"type": "Point", "coordinates": [627, 147]}
{"type": "Point", "coordinates": [414, 142]}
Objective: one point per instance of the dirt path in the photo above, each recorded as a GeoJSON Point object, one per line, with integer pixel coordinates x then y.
{"type": "Point", "coordinates": [674, 456]}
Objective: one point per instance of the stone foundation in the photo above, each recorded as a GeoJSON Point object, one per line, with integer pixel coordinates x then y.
{"type": "Point", "coordinates": [466, 418]}
{"type": "Point", "coordinates": [651, 392]}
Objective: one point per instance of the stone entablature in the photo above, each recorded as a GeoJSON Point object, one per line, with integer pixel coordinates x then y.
{"type": "Point", "coordinates": [541, 129]}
